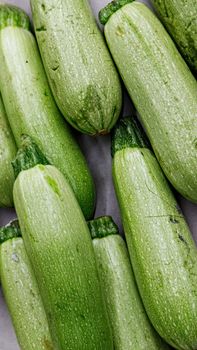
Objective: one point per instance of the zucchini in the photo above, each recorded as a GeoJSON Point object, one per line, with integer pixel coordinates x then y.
{"type": "Point", "coordinates": [7, 153]}
{"type": "Point", "coordinates": [162, 251]}
{"type": "Point", "coordinates": [162, 88]}
{"type": "Point", "coordinates": [131, 327]}
{"type": "Point", "coordinates": [30, 106]}
{"type": "Point", "coordinates": [59, 246]}
{"type": "Point", "coordinates": [22, 296]}
{"type": "Point", "coordinates": [180, 19]}
{"type": "Point", "coordinates": [80, 71]}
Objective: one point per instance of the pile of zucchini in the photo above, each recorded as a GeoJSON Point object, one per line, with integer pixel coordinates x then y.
{"type": "Point", "coordinates": [72, 284]}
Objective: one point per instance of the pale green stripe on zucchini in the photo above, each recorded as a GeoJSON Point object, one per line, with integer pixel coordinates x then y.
{"type": "Point", "coordinates": [162, 88]}
{"type": "Point", "coordinates": [180, 19]}
{"type": "Point", "coordinates": [162, 251]}
{"type": "Point", "coordinates": [22, 296]}
{"type": "Point", "coordinates": [80, 70]}
{"type": "Point", "coordinates": [32, 111]}
{"type": "Point", "coordinates": [7, 153]}
{"type": "Point", "coordinates": [131, 327]}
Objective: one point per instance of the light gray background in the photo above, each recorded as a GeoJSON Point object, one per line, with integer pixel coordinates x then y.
{"type": "Point", "coordinates": [97, 151]}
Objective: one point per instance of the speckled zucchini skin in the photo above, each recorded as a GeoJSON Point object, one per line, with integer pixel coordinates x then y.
{"type": "Point", "coordinates": [31, 109]}
{"type": "Point", "coordinates": [162, 89]}
{"type": "Point", "coordinates": [23, 298]}
{"type": "Point", "coordinates": [59, 246]}
{"type": "Point", "coordinates": [80, 71]}
{"type": "Point", "coordinates": [162, 251]}
{"type": "Point", "coordinates": [130, 325]}
{"type": "Point", "coordinates": [7, 153]}
{"type": "Point", "coordinates": [180, 19]}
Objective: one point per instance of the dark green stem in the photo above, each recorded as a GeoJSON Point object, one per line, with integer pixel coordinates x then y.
{"type": "Point", "coordinates": [12, 16]}
{"type": "Point", "coordinates": [12, 230]}
{"type": "Point", "coordinates": [111, 8]}
{"type": "Point", "coordinates": [28, 156]}
{"type": "Point", "coordinates": [128, 133]}
{"type": "Point", "coordinates": [102, 227]}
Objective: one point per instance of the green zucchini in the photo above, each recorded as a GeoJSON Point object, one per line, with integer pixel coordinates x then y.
{"type": "Point", "coordinates": [30, 106]}
{"type": "Point", "coordinates": [162, 89]}
{"type": "Point", "coordinates": [180, 19]}
{"type": "Point", "coordinates": [59, 246]}
{"type": "Point", "coordinates": [80, 70]}
{"type": "Point", "coordinates": [131, 327]}
{"type": "Point", "coordinates": [162, 251]}
{"type": "Point", "coordinates": [22, 296]}
{"type": "Point", "coordinates": [7, 153]}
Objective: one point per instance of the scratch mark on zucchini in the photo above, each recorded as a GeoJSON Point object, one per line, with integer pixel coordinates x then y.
{"type": "Point", "coordinates": [164, 199]}
{"type": "Point", "coordinates": [43, 7]}
{"type": "Point", "coordinates": [41, 29]}
{"type": "Point", "coordinates": [55, 68]}
{"type": "Point", "coordinates": [173, 219]}
{"type": "Point", "coordinates": [161, 216]}
{"type": "Point", "coordinates": [182, 239]}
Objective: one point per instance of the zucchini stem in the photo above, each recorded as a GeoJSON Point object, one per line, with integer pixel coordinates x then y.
{"type": "Point", "coordinates": [128, 133]}
{"type": "Point", "coordinates": [102, 227]}
{"type": "Point", "coordinates": [111, 8]}
{"type": "Point", "coordinates": [12, 230]}
{"type": "Point", "coordinates": [12, 16]}
{"type": "Point", "coordinates": [28, 156]}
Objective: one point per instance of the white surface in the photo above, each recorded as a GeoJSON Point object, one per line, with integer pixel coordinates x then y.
{"type": "Point", "coordinates": [97, 151]}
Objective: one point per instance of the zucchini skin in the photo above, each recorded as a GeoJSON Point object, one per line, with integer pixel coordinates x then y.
{"type": "Point", "coordinates": [162, 251]}
{"type": "Point", "coordinates": [59, 246]}
{"type": "Point", "coordinates": [22, 296]}
{"type": "Point", "coordinates": [31, 110]}
{"type": "Point", "coordinates": [12, 230]}
{"type": "Point", "coordinates": [7, 153]}
{"type": "Point", "coordinates": [130, 325]}
{"type": "Point", "coordinates": [180, 19]}
{"type": "Point", "coordinates": [81, 73]}
{"type": "Point", "coordinates": [162, 89]}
